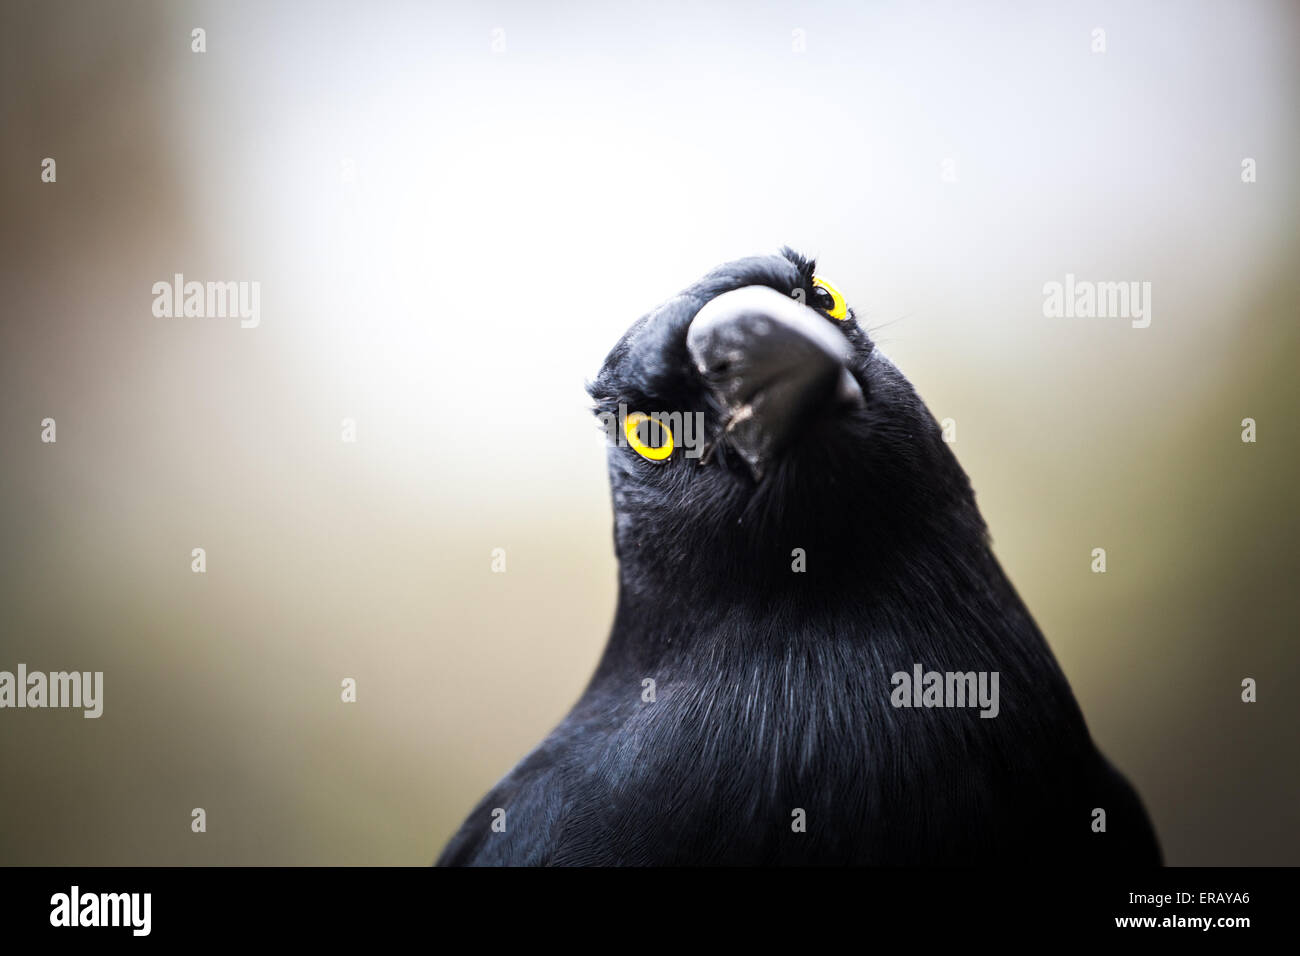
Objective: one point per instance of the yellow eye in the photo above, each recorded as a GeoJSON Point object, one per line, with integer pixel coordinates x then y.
{"type": "Point", "coordinates": [831, 302]}
{"type": "Point", "coordinates": [633, 430]}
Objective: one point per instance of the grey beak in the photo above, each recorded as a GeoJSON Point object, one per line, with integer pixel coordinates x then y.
{"type": "Point", "coordinates": [772, 362]}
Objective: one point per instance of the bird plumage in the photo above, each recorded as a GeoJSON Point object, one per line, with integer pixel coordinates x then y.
{"type": "Point", "coordinates": [772, 689]}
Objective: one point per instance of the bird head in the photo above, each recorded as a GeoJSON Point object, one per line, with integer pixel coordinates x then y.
{"type": "Point", "coordinates": [752, 415]}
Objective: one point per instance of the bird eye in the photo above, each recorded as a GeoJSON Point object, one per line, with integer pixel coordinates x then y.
{"type": "Point", "coordinates": [650, 437]}
{"type": "Point", "coordinates": [829, 300]}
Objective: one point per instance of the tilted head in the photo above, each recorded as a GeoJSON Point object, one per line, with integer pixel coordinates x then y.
{"type": "Point", "coordinates": [788, 429]}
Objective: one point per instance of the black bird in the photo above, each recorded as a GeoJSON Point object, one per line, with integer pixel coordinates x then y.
{"type": "Point", "coordinates": [776, 572]}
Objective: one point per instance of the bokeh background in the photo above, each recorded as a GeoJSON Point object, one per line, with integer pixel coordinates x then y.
{"type": "Point", "coordinates": [453, 211]}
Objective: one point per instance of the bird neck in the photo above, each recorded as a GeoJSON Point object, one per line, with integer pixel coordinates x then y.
{"type": "Point", "coordinates": [672, 604]}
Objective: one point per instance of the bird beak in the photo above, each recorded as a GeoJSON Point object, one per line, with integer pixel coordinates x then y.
{"type": "Point", "coordinates": [772, 362]}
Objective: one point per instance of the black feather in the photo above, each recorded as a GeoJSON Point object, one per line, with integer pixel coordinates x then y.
{"type": "Point", "coordinates": [772, 687]}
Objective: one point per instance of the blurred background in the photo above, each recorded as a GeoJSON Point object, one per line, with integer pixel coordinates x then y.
{"type": "Point", "coordinates": [453, 211]}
